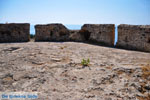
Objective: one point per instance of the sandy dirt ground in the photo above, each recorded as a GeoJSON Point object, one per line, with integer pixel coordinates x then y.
{"type": "Point", "coordinates": [54, 70]}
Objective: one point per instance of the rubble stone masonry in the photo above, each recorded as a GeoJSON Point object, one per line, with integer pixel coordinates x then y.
{"type": "Point", "coordinates": [14, 32]}
{"type": "Point", "coordinates": [101, 33]}
{"type": "Point", "coordinates": [51, 32]}
{"type": "Point", "coordinates": [136, 37]}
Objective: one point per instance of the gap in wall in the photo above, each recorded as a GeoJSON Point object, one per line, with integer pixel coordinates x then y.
{"type": "Point", "coordinates": [32, 30]}
{"type": "Point", "coordinates": [73, 27]}
{"type": "Point", "coordinates": [116, 34]}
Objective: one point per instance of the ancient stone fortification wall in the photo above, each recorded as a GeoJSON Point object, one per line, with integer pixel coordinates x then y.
{"type": "Point", "coordinates": [51, 32]}
{"type": "Point", "coordinates": [101, 33]}
{"type": "Point", "coordinates": [135, 37]}
{"type": "Point", "coordinates": [14, 32]}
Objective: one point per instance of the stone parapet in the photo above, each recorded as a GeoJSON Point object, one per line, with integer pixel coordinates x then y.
{"type": "Point", "coordinates": [135, 37]}
{"type": "Point", "coordinates": [51, 32]}
{"type": "Point", "coordinates": [14, 32]}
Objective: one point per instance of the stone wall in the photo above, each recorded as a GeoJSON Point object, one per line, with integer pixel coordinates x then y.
{"type": "Point", "coordinates": [136, 37]}
{"type": "Point", "coordinates": [51, 32]}
{"type": "Point", "coordinates": [75, 35]}
{"type": "Point", "coordinates": [14, 32]}
{"type": "Point", "coordinates": [101, 33]}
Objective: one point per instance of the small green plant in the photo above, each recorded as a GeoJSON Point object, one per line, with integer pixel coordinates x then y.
{"type": "Point", "coordinates": [85, 62]}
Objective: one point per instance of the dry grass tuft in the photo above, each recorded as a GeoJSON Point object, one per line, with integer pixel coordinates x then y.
{"type": "Point", "coordinates": [146, 78]}
{"type": "Point", "coordinates": [146, 71]}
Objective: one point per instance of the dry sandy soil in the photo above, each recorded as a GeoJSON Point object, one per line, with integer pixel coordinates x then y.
{"type": "Point", "coordinates": [54, 70]}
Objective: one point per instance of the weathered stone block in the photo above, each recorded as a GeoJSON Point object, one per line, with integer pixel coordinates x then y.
{"type": "Point", "coordinates": [13, 32]}
{"type": "Point", "coordinates": [75, 35]}
{"type": "Point", "coordinates": [136, 37]}
{"type": "Point", "coordinates": [101, 33]}
{"type": "Point", "coordinates": [51, 32]}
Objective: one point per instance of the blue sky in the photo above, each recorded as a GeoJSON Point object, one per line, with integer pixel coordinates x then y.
{"type": "Point", "coordinates": [75, 11]}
